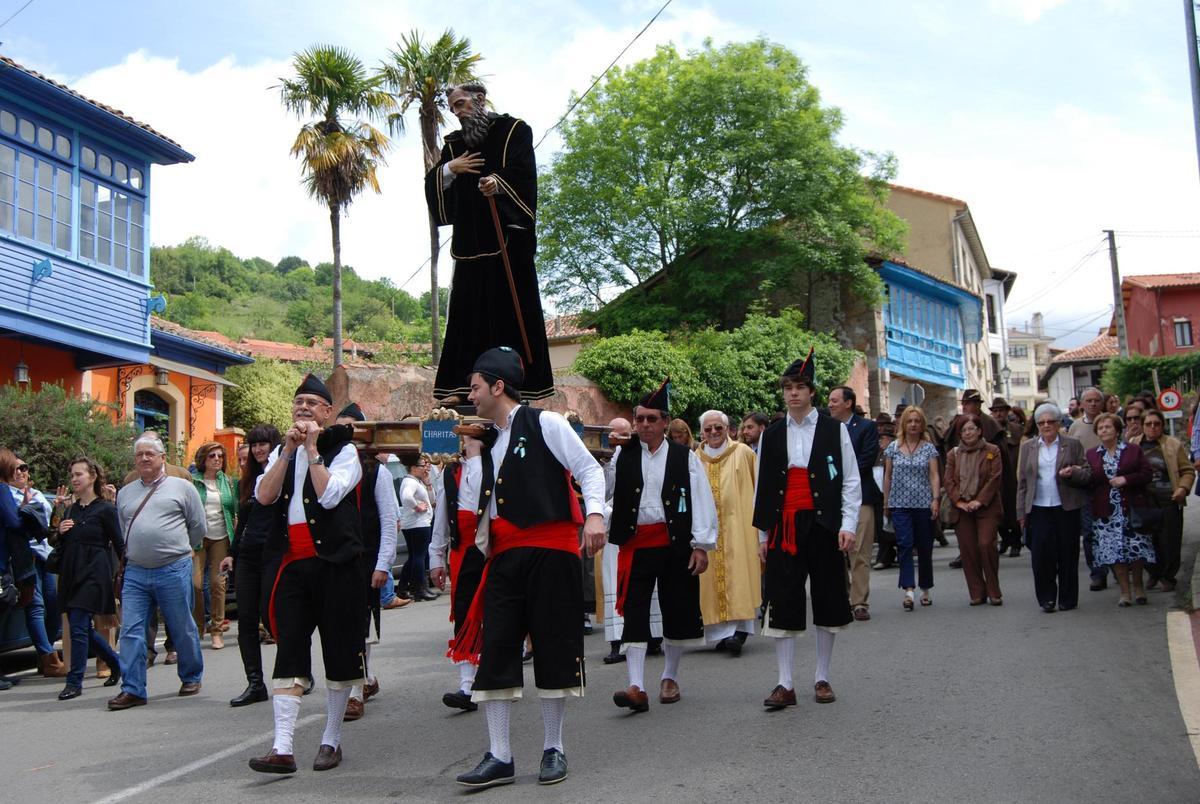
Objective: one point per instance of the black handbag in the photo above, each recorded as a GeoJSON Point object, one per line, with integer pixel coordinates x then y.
{"type": "Point", "coordinates": [8, 591]}
{"type": "Point", "coordinates": [1145, 521]}
{"type": "Point", "coordinates": [53, 561]}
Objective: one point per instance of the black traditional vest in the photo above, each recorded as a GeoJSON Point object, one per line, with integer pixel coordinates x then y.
{"type": "Point", "coordinates": [336, 531]}
{"type": "Point", "coordinates": [676, 494]}
{"type": "Point", "coordinates": [368, 511]}
{"type": "Point", "coordinates": [773, 469]}
{"type": "Point", "coordinates": [532, 487]}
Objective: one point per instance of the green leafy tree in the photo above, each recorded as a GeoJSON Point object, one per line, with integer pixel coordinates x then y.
{"type": "Point", "coordinates": [48, 428]}
{"type": "Point", "coordinates": [289, 264]}
{"type": "Point", "coordinates": [1125, 376]}
{"type": "Point", "coordinates": [627, 367]}
{"type": "Point", "coordinates": [420, 74]}
{"type": "Point", "coordinates": [340, 150]}
{"type": "Point", "coordinates": [263, 394]}
{"type": "Point", "coordinates": [677, 153]}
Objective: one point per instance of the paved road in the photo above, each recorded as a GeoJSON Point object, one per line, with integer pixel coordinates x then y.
{"type": "Point", "coordinates": [948, 703]}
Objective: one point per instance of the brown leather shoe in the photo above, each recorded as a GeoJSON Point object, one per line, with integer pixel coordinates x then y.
{"type": "Point", "coordinates": [50, 666]}
{"type": "Point", "coordinates": [668, 692]}
{"type": "Point", "coordinates": [780, 697]}
{"type": "Point", "coordinates": [274, 763]}
{"type": "Point", "coordinates": [189, 688]}
{"type": "Point", "coordinates": [328, 758]}
{"type": "Point", "coordinates": [354, 710]}
{"type": "Point", "coordinates": [397, 603]}
{"type": "Point", "coordinates": [633, 698]}
{"type": "Point", "coordinates": [125, 701]}
{"type": "Point", "coordinates": [861, 613]}
{"type": "Point", "coordinates": [370, 690]}
{"type": "Point", "coordinates": [823, 693]}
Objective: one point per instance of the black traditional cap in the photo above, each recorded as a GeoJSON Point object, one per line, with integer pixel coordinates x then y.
{"type": "Point", "coordinates": [503, 363]}
{"type": "Point", "coordinates": [1000, 403]}
{"type": "Point", "coordinates": [352, 411]}
{"type": "Point", "coordinates": [803, 370]}
{"type": "Point", "coordinates": [312, 385]}
{"type": "Point", "coordinates": [971, 395]}
{"type": "Point", "coordinates": [660, 399]}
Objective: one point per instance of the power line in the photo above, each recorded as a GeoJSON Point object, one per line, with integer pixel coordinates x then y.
{"type": "Point", "coordinates": [600, 77]}
{"type": "Point", "coordinates": [1069, 273]}
{"type": "Point", "coordinates": [13, 16]}
{"type": "Point", "coordinates": [1084, 324]}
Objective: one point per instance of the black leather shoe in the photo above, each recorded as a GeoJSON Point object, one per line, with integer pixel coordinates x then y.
{"type": "Point", "coordinates": [1098, 584]}
{"type": "Point", "coordinates": [614, 655]}
{"type": "Point", "coordinates": [254, 693]}
{"type": "Point", "coordinates": [114, 679]}
{"type": "Point", "coordinates": [1048, 608]}
{"type": "Point", "coordinates": [554, 767]}
{"type": "Point", "coordinates": [460, 700]}
{"type": "Point", "coordinates": [733, 647]}
{"type": "Point", "coordinates": [70, 692]}
{"type": "Point", "coordinates": [956, 563]}
{"type": "Point", "coordinates": [328, 758]}
{"type": "Point", "coordinates": [490, 772]}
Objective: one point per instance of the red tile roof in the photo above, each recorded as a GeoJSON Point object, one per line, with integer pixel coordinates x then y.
{"type": "Point", "coordinates": [369, 348]}
{"type": "Point", "coordinates": [101, 106]}
{"type": "Point", "coordinates": [563, 327]}
{"type": "Point", "coordinates": [1102, 348]}
{"type": "Point", "coordinates": [1163, 280]}
{"type": "Point", "coordinates": [214, 339]}
{"type": "Point", "coordinates": [926, 194]}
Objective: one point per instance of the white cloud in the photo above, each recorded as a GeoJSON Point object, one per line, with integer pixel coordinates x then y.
{"type": "Point", "coordinates": [1025, 10]}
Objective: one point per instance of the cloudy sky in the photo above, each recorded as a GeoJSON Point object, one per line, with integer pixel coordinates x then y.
{"type": "Point", "coordinates": [1053, 119]}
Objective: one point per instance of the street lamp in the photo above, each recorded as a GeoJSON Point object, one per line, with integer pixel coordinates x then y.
{"type": "Point", "coordinates": [1006, 375]}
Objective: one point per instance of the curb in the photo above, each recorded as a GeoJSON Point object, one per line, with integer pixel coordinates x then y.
{"type": "Point", "coordinates": [1185, 669]}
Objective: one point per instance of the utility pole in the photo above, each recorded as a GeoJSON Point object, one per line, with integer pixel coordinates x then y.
{"type": "Point", "coordinates": [1189, 12]}
{"type": "Point", "coordinates": [1118, 305]}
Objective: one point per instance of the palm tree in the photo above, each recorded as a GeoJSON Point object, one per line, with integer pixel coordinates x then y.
{"type": "Point", "coordinates": [422, 74]}
{"type": "Point", "coordinates": [339, 148]}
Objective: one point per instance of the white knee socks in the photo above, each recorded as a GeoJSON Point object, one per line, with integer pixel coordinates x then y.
{"type": "Point", "coordinates": [673, 654]}
{"type": "Point", "coordinates": [466, 676]}
{"type": "Point", "coordinates": [553, 710]}
{"type": "Point", "coordinates": [287, 707]}
{"type": "Point", "coordinates": [635, 662]}
{"type": "Point", "coordinates": [367, 665]}
{"type": "Point", "coordinates": [824, 653]}
{"type": "Point", "coordinates": [335, 710]}
{"type": "Point", "coordinates": [785, 657]}
{"type": "Point", "coordinates": [497, 720]}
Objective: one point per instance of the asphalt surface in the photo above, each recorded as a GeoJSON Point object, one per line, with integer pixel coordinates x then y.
{"type": "Point", "coordinates": [947, 703]}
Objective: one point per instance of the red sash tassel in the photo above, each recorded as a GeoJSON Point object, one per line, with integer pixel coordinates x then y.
{"type": "Point", "coordinates": [654, 535]}
{"type": "Point", "coordinates": [798, 497]}
{"type": "Point", "coordinates": [468, 645]}
{"type": "Point", "coordinates": [467, 521]}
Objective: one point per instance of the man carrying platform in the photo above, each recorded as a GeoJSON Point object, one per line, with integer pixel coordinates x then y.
{"type": "Point", "coordinates": [529, 518]}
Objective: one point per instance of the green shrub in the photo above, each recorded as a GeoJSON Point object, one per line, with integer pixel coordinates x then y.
{"type": "Point", "coordinates": [49, 427]}
{"type": "Point", "coordinates": [627, 367]}
{"type": "Point", "coordinates": [264, 394]}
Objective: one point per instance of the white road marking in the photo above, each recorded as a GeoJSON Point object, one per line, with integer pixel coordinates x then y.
{"type": "Point", "coordinates": [1186, 671]}
{"type": "Point", "coordinates": [191, 767]}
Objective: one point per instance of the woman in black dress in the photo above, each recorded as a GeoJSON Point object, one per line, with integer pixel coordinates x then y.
{"type": "Point", "coordinates": [85, 575]}
{"type": "Point", "coordinates": [254, 568]}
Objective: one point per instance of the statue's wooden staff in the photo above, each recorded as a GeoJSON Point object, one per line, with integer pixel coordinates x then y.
{"type": "Point", "coordinates": [512, 286]}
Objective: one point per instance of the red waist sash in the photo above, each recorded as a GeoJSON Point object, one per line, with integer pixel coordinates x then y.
{"type": "Point", "coordinates": [798, 497]}
{"type": "Point", "coordinates": [653, 535]}
{"type": "Point", "coordinates": [506, 536]}
{"type": "Point", "coordinates": [467, 521]}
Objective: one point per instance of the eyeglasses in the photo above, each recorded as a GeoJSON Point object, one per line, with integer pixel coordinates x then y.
{"type": "Point", "coordinates": [1152, 423]}
{"type": "Point", "coordinates": [715, 428]}
{"type": "Point", "coordinates": [218, 455]}
{"type": "Point", "coordinates": [1047, 423]}
{"type": "Point", "coordinates": [646, 419]}
{"type": "Point", "coordinates": [24, 467]}
{"type": "Point", "coordinates": [1133, 418]}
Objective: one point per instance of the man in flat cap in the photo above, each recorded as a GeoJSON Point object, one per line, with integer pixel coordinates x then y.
{"type": "Point", "coordinates": [529, 519]}
{"type": "Point", "coordinates": [806, 509]}
{"type": "Point", "coordinates": [665, 522]}
{"type": "Point", "coordinates": [378, 513]}
{"type": "Point", "coordinates": [310, 479]}
{"type": "Point", "coordinates": [1008, 439]}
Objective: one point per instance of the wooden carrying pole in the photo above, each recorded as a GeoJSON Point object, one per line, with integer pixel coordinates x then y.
{"type": "Point", "coordinates": [512, 286]}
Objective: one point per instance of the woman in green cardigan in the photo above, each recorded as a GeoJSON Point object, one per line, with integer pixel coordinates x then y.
{"type": "Point", "coordinates": [219, 493]}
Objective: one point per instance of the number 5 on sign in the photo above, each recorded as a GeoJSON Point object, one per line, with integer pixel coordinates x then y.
{"type": "Point", "coordinates": [1169, 400]}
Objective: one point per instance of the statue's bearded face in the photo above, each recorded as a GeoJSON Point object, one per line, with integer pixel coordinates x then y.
{"type": "Point", "coordinates": [471, 110]}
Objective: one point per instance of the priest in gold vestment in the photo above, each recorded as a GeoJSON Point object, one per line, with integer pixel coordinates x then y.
{"type": "Point", "coordinates": [731, 590]}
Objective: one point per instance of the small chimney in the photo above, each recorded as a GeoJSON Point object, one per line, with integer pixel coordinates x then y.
{"type": "Point", "coordinates": [1039, 327]}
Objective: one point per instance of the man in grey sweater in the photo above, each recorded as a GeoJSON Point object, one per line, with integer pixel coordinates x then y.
{"type": "Point", "coordinates": [163, 522]}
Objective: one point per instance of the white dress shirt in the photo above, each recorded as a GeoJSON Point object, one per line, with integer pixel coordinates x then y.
{"type": "Point", "coordinates": [650, 506]}
{"type": "Point", "coordinates": [468, 500]}
{"type": "Point", "coordinates": [389, 511]}
{"type": "Point", "coordinates": [345, 472]}
{"type": "Point", "coordinates": [799, 448]}
{"type": "Point", "coordinates": [1045, 492]}
{"type": "Point", "coordinates": [566, 447]}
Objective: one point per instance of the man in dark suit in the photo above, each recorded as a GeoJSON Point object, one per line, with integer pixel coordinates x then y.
{"type": "Point", "coordinates": [864, 436]}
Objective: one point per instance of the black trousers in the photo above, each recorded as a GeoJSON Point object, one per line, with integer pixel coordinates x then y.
{"type": "Point", "coordinates": [1054, 554]}
{"type": "Point", "coordinates": [313, 594]}
{"type": "Point", "coordinates": [465, 585]}
{"type": "Point", "coordinates": [1168, 541]}
{"type": "Point", "coordinates": [678, 595]}
{"type": "Point", "coordinates": [819, 564]}
{"type": "Point", "coordinates": [535, 591]}
{"type": "Point", "coordinates": [252, 579]}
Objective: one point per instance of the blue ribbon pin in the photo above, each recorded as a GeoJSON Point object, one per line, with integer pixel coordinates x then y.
{"type": "Point", "coordinates": [519, 449]}
{"type": "Point", "coordinates": [832, 468]}
{"type": "Point", "coordinates": [683, 501]}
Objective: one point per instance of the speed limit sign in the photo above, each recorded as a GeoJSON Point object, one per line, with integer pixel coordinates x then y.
{"type": "Point", "coordinates": [1169, 400]}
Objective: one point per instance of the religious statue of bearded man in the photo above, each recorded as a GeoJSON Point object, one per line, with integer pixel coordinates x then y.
{"type": "Point", "coordinates": [490, 160]}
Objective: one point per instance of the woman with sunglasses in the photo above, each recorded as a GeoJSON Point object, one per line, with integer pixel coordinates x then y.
{"type": "Point", "coordinates": [416, 523]}
{"type": "Point", "coordinates": [219, 494]}
{"type": "Point", "coordinates": [1172, 478]}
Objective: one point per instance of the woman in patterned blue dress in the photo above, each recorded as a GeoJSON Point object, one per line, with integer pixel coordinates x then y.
{"type": "Point", "coordinates": [1118, 473]}
{"type": "Point", "coordinates": [911, 491]}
